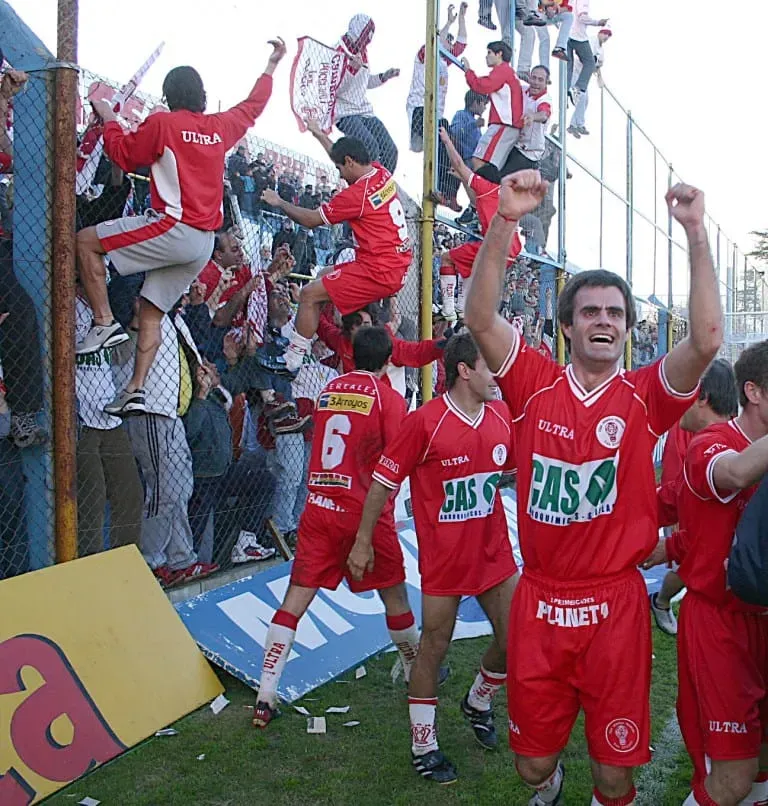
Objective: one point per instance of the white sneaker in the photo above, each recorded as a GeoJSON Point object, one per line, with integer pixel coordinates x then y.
{"type": "Point", "coordinates": [449, 309]}
{"type": "Point", "coordinates": [248, 549]}
{"type": "Point", "coordinates": [101, 336]}
{"type": "Point", "coordinates": [666, 620]}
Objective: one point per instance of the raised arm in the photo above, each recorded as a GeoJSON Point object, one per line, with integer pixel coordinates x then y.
{"type": "Point", "coordinates": [686, 363]}
{"type": "Point", "coordinates": [520, 193]}
{"type": "Point", "coordinates": [446, 29]}
{"type": "Point", "coordinates": [738, 471]}
{"type": "Point", "coordinates": [325, 141]}
{"type": "Point", "coordinates": [307, 218]}
{"type": "Point", "coordinates": [457, 163]}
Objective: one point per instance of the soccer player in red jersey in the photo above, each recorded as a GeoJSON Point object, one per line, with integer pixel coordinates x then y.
{"type": "Point", "coordinates": [455, 449]}
{"type": "Point", "coordinates": [172, 242]}
{"type": "Point", "coordinates": [482, 187]}
{"type": "Point", "coordinates": [717, 402]}
{"type": "Point", "coordinates": [586, 495]}
{"type": "Point", "coordinates": [356, 416]}
{"type": "Point", "coordinates": [722, 699]}
{"type": "Point", "coordinates": [371, 206]}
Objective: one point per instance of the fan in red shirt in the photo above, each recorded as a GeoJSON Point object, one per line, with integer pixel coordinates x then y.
{"type": "Point", "coordinates": [173, 241]}
{"type": "Point", "coordinates": [356, 416]}
{"type": "Point", "coordinates": [586, 499]}
{"type": "Point", "coordinates": [717, 402]}
{"type": "Point", "coordinates": [723, 642]}
{"type": "Point", "coordinates": [383, 253]}
{"type": "Point", "coordinates": [455, 449]}
{"type": "Point", "coordinates": [482, 187]}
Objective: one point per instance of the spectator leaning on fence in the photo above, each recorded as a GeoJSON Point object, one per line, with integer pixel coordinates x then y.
{"type": "Point", "coordinates": [467, 124]}
{"type": "Point", "coordinates": [578, 45]}
{"type": "Point", "coordinates": [172, 244]}
{"type": "Point", "coordinates": [353, 114]}
{"type": "Point", "coordinates": [578, 121]}
{"type": "Point", "coordinates": [537, 108]}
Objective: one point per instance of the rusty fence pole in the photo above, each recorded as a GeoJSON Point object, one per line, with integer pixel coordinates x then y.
{"type": "Point", "coordinates": [63, 285]}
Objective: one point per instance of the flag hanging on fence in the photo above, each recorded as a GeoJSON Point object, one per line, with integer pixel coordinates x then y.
{"type": "Point", "coordinates": [92, 143]}
{"type": "Point", "coordinates": [315, 78]}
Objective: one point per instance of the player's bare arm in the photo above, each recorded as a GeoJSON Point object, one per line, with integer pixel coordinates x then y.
{"type": "Point", "coordinates": [738, 471]}
{"type": "Point", "coordinates": [519, 194]}
{"type": "Point", "coordinates": [314, 128]}
{"type": "Point", "coordinates": [686, 363]}
{"type": "Point", "coordinates": [361, 557]}
{"type": "Point", "coordinates": [457, 163]}
{"type": "Point", "coordinates": [307, 218]}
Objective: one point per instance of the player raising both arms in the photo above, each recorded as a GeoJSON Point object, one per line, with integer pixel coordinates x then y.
{"type": "Point", "coordinates": [482, 187]}
{"type": "Point", "coordinates": [586, 495]}
{"type": "Point", "coordinates": [371, 206]}
{"type": "Point", "coordinates": [356, 416]}
{"type": "Point", "coordinates": [722, 698]}
{"type": "Point", "coordinates": [455, 449]}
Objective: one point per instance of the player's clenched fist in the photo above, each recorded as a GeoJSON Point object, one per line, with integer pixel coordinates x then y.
{"type": "Point", "coordinates": [360, 560]}
{"type": "Point", "coordinates": [521, 193]}
{"type": "Point", "coordinates": [686, 204]}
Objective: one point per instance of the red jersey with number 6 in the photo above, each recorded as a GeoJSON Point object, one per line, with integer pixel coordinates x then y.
{"type": "Point", "coordinates": [586, 488]}
{"type": "Point", "coordinates": [455, 464]}
{"type": "Point", "coordinates": [356, 415]}
{"type": "Point", "coordinates": [375, 213]}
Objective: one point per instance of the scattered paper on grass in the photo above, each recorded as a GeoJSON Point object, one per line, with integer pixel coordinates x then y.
{"type": "Point", "coordinates": [201, 757]}
{"type": "Point", "coordinates": [88, 802]}
{"type": "Point", "coordinates": [249, 707]}
{"type": "Point", "coordinates": [337, 709]}
{"type": "Point", "coordinates": [167, 732]}
{"type": "Point", "coordinates": [341, 681]}
{"type": "Point", "coordinates": [300, 709]}
{"type": "Point", "coordinates": [652, 749]}
{"type": "Point", "coordinates": [352, 724]}
{"type": "Point", "coordinates": [360, 672]}
{"type": "Point", "coordinates": [219, 704]}
{"type": "Point", "coordinates": [311, 699]}
{"type": "Point", "coordinates": [316, 724]}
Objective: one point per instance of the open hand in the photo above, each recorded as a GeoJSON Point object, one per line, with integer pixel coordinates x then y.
{"type": "Point", "coordinates": [658, 556]}
{"type": "Point", "coordinates": [393, 72]}
{"type": "Point", "coordinates": [360, 560]}
{"type": "Point", "coordinates": [521, 193]}
{"type": "Point", "coordinates": [686, 205]}
{"type": "Point", "coordinates": [451, 14]}
{"type": "Point", "coordinates": [278, 50]}
{"type": "Point", "coordinates": [197, 293]}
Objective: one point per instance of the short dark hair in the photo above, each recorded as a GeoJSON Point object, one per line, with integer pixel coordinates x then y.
{"type": "Point", "coordinates": [351, 320]}
{"type": "Point", "coordinates": [490, 172]}
{"type": "Point", "coordinates": [501, 47]}
{"type": "Point", "coordinates": [349, 147]}
{"type": "Point", "coordinates": [545, 69]}
{"type": "Point", "coordinates": [596, 278]}
{"type": "Point", "coordinates": [371, 348]}
{"type": "Point", "coordinates": [183, 89]}
{"type": "Point", "coordinates": [472, 97]}
{"type": "Point", "coordinates": [461, 349]}
{"type": "Point", "coordinates": [718, 388]}
{"type": "Point", "coordinates": [752, 366]}
{"type": "Point", "coordinates": [218, 246]}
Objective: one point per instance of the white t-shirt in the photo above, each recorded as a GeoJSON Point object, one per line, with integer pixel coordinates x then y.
{"type": "Point", "coordinates": [579, 29]}
{"type": "Point", "coordinates": [418, 82]}
{"type": "Point", "coordinates": [312, 379]}
{"type": "Point", "coordinates": [94, 381]}
{"type": "Point", "coordinates": [532, 141]}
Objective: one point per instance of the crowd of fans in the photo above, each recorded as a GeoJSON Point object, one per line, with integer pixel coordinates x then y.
{"type": "Point", "coordinates": [219, 461]}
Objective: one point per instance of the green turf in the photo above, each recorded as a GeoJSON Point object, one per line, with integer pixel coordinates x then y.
{"type": "Point", "coordinates": [368, 764]}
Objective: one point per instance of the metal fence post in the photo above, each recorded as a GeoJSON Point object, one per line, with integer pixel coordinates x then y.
{"type": "Point", "coordinates": [670, 261]}
{"type": "Point", "coordinates": [602, 171]}
{"type": "Point", "coordinates": [561, 201]}
{"type": "Point", "coordinates": [428, 205]}
{"type": "Point", "coordinates": [630, 231]}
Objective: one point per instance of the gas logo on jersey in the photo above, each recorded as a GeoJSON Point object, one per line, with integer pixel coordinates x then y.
{"type": "Point", "coordinates": [469, 497]}
{"type": "Point", "coordinates": [562, 493]}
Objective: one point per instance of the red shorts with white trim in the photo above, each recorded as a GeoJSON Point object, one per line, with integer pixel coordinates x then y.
{"type": "Point", "coordinates": [494, 146]}
{"type": "Point", "coordinates": [325, 538]}
{"type": "Point", "coordinates": [172, 253]}
{"type": "Point", "coordinates": [463, 257]}
{"type": "Point", "coordinates": [722, 671]}
{"type": "Point", "coordinates": [352, 286]}
{"type": "Point", "coordinates": [578, 645]}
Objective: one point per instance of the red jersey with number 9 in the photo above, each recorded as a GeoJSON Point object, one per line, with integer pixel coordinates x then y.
{"type": "Point", "coordinates": [375, 213]}
{"type": "Point", "coordinates": [355, 416]}
{"type": "Point", "coordinates": [586, 489]}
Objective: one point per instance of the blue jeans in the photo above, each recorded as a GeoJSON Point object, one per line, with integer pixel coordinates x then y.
{"type": "Point", "coordinates": [380, 146]}
{"type": "Point", "coordinates": [14, 541]}
{"type": "Point", "coordinates": [584, 51]}
{"type": "Point", "coordinates": [301, 495]}
{"type": "Point", "coordinates": [286, 464]}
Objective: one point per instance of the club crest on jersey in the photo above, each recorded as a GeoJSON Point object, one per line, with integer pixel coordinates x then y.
{"type": "Point", "coordinates": [499, 455]}
{"type": "Point", "coordinates": [622, 735]}
{"type": "Point", "coordinates": [469, 497]}
{"type": "Point", "coordinates": [333, 401]}
{"type": "Point", "coordinates": [381, 197]}
{"type": "Point", "coordinates": [562, 493]}
{"type": "Point", "coordinates": [609, 431]}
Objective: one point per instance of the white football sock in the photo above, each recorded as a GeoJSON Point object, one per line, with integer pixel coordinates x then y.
{"type": "Point", "coordinates": [423, 732]}
{"type": "Point", "coordinates": [297, 349]}
{"type": "Point", "coordinates": [759, 793]}
{"type": "Point", "coordinates": [484, 689]}
{"type": "Point", "coordinates": [405, 636]}
{"type": "Point", "coordinates": [280, 636]}
{"type": "Point", "coordinates": [448, 289]}
{"type": "Point", "coordinates": [549, 789]}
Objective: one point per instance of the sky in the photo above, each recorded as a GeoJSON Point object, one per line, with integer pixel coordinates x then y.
{"type": "Point", "coordinates": [668, 62]}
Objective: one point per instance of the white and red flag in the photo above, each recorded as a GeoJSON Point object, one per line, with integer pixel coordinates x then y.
{"type": "Point", "coordinates": [315, 77]}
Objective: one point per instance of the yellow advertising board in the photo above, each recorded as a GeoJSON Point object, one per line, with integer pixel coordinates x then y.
{"type": "Point", "coordinates": [93, 659]}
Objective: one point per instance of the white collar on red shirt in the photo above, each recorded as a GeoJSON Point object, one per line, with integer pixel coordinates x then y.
{"type": "Point", "coordinates": [591, 397]}
{"type": "Point", "coordinates": [535, 97]}
{"type": "Point", "coordinates": [736, 427]}
{"type": "Point", "coordinates": [460, 413]}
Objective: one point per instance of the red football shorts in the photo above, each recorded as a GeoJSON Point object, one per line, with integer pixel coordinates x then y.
{"type": "Point", "coordinates": [352, 286]}
{"type": "Point", "coordinates": [722, 670]}
{"type": "Point", "coordinates": [580, 645]}
{"type": "Point", "coordinates": [325, 539]}
{"type": "Point", "coordinates": [463, 257]}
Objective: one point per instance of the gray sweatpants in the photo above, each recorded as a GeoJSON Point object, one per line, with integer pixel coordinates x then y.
{"type": "Point", "coordinates": [160, 447]}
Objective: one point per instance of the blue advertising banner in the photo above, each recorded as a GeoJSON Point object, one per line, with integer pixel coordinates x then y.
{"type": "Point", "coordinates": [341, 629]}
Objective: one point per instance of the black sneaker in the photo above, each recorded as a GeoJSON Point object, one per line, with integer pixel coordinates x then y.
{"type": "Point", "coordinates": [127, 404]}
{"type": "Point", "coordinates": [467, 216]}
{"type": "Point", "coordinates": [434, 766]}
{"type": "Point", "coordinates": [534, 18]}
{"type": "Point", "coordinates": [264, 713]}
{"type": "Point", "coordinates": [486, 21]}
{"type": "Point", "coordinates": [482, 724]}
{"type": "Point", "coordinates": [558, 801]}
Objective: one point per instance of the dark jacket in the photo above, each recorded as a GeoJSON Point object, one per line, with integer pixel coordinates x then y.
{"type": "Point", "coordinates": [209, 435]}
